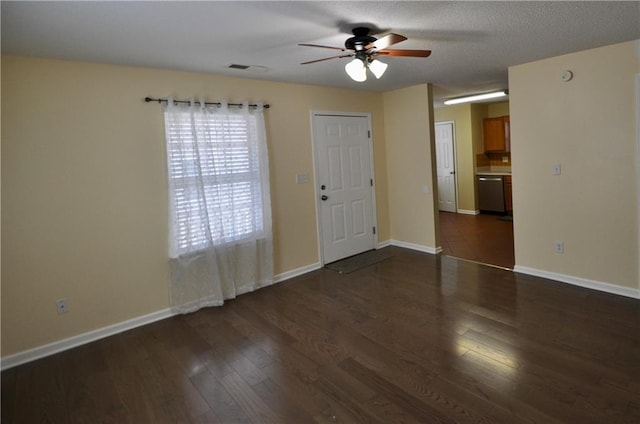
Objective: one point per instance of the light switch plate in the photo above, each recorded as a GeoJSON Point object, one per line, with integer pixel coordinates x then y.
{"type": "Point", "coordinates": [557, 169]}
{"type": "Point", "coordinates": [302, 178]}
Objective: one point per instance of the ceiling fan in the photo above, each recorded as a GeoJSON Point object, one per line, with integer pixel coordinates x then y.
{"type": "Point", "coordinates": [365, 50]}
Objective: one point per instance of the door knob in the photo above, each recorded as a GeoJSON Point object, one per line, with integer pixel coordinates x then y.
{"type": "Point", "coordinates": [322, 187]}
{"type": "Point", "coordinates": [324, 197]}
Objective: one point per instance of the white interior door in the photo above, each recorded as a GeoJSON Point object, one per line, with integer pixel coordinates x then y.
{"type": "Point", "coordinates": [344, 185]}
{"type": "Point", "coordinates": [445, 165]}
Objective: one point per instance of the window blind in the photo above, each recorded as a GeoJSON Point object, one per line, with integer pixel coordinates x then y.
{"type": "Point", "coordinates": [214, 178]}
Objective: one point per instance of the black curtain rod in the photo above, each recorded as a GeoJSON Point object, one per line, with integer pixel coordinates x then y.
{"type": "Point", "coordinates": [151, 99]}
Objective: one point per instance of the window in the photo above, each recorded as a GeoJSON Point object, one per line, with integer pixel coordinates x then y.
{"type": "Point", "coordinates": [215, 177]}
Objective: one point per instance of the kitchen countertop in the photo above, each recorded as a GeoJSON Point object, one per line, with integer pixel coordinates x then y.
{"type": "Point", "coordinates": [493, 173]}
{"type": "Point", "coordinates": [493, 170]}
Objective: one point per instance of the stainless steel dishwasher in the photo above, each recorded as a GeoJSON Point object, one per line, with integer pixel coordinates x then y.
{"type": "Point", "coordinates": [491, 193]}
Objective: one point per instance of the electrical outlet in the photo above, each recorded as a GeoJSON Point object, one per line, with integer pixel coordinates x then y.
{"type": "Point", "coordinates": [558, 246]}
{"type": "Point", "coordinates": [62, 306]}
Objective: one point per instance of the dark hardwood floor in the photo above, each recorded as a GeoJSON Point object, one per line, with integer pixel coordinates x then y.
{"type": "Point", "coordinates": [417, 338]}
{"type": "Point", "coordinates": [481, 238]}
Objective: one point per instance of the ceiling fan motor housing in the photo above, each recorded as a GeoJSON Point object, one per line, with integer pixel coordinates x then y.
{"type": "Point", "coordinates": [360, 39]}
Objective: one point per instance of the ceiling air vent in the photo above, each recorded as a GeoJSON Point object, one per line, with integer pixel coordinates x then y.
{"type": "Point", "coordinates": [250, 68]}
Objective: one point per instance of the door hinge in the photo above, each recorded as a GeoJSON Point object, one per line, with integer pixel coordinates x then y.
{"type": "Point", "coordinates": [374, 230]}
{"type": "Point", "coordinates": [368, 133]}
{"type": "Point", "coordinates": [371, 181]}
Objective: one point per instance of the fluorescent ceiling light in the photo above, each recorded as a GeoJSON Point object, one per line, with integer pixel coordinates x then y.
{"type": "Point", "coordinates": [377, 68]}
{"type": "Point", "coordinates": [476, 97]}
{"type": "Point", "coordinates": [356, 70]}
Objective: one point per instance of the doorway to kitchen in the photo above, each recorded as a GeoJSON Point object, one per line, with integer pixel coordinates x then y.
{"type": "Point", "coordinates": [467, 233]}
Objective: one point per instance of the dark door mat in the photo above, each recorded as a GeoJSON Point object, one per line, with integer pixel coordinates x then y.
{"type": "Point", "coordinates": [363, 260]}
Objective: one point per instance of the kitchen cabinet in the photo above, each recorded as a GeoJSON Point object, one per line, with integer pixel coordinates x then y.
{"type": "Point", "coordinates": [508, 191]}
{"type": "Point", "coordinates": [496, 134]}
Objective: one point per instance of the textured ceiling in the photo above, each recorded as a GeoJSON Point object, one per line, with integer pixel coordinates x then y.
{"type": "Point", "coordinates": [473, 43]}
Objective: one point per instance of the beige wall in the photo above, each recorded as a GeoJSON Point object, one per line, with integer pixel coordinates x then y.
{"type": "Point", "coordinates": [408, 117]}
{"type": "Point", "coordinates": [84, 187]}
{"type": "Point", "coordinates": [478, 113]}
{"type": "Point", "coordinates": [495, 110]}
{"type": "Point", "coordinates": [588, 125]}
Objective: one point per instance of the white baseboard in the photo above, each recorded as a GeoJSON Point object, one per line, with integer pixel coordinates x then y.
{"type": "Point", "coordinates": [81, 339]}
{"type": "Point", "coordinates": [581, 282]}
{"type": "Point", "coordinates": [468, 212]}
{"type": "Point", "coordinates": [418, 247]}
{"type": "Point", "coordinates": [296, 272]}
{"type": "Point", "coordinates": [25, 356]}
{"type": "Point", "coordinates": [383, 244]}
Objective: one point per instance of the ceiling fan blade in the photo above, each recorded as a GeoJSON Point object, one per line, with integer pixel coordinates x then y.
{"type": "Point", "coordinates": [326, 58]}
{"type": "Point", "coordinates": [386, 41]}
{"type": "Point", "coordinates": [324, 47]}
{"type": "Point", "coordinates": [407, 53]}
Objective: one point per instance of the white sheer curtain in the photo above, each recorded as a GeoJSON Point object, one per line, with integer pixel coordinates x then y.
{"type": "Point", "coordinates": [219, 201]}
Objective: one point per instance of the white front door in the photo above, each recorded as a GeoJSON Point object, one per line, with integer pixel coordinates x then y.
{"type": "Point", "coordinates": [445, 166]}
{"type": "Point", "coordinates": [344, 185]}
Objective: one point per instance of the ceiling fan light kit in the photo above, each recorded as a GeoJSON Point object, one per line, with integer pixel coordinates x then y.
{"type": "Point", "coordinates": [476, 97]}
{"type": "Point", "coordinates": [377, 68]}
{"type": "Point", "coordinates": [364, 49]}
{"type": "Point", "coordinates": [356, 70]}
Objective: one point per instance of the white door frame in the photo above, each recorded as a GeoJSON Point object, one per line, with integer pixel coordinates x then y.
{"type": "Point", "coordinates": [638, 145]}
{"type": "Point", "coordinates": [316, 192]}
{"type": "Point", "coordinates": [455, 157]}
